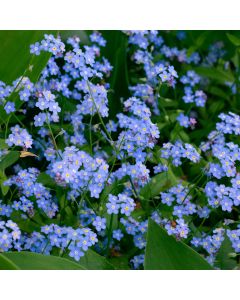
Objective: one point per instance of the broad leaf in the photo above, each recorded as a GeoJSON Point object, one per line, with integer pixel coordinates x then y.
{"type": "Point", "coordinates": [163, 252]}
{"type": "Point", "coordinates": [116, 53]}
{"type": "Point", "coordinates": [35, 261]}
{"type": "Point", "coordinates": [15, 55]}
{"type": "Point", "coordinates": [9, 159]}
{"type": "Point", "coordinates": [7, 264]}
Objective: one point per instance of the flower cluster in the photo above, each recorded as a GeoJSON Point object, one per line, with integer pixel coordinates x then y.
{"type": "Point", "coordinates": [216, 51]}
{"type": "Point", "coordinates": [178, 228]}
{"type": "Point", "coordinates": [210, 243]}
{"type": "Point", "coordinates": [19, 137]}
{"type": "Point", "coordinates": [140, 133]}
{"type": "Point", "coordinates": [138, 174]}
{"type": "Point", "coordinates": [179, 150]}
{"type": "Point", "coordinates": [234, 236]}
{"type": "Point", "coordinates": [186, 122]}
{"type": "Point", "coordinates": [5, 91]}
{"type": "Point", "coordinates": [48, 44]}
{"type": "Point", "coordinates": [137, 230]}
{"type": "Point", "coordinates": [144, 92]}
{"type": "Point", "coordinates": [74, 241]}
{"type": "Point", "coordinates": [190, 80]}
{"type": "Point", "coordinates": [81, 171]}
{"type": "Point", "coordinates": [5, 209]}
{"type": "Point", "coordinates": [29, 188]}
{"type": "Point", "coordinates": [120, 203]}
{"type": "Point", "coordinates": [9, 236]}
{"type": "Point", "coordinates": [230, 123]}
{"type": "Point", "coordinates": [199, 97]}
{"type": "Point", "coordinates": [180, 55]}
{"type": "Point", "coordinates": [223, 196]}
{"type": "Point", "coordinates": [46, 102]}
{"type": "Point", "coordinates": [160, 168]}
{"type": "Point", "coordinates": [137, 261]}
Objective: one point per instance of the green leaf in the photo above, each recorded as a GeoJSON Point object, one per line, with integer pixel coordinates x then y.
{"type": "Point", "coordinates": [27, 225]}
{"type": "Point", "coordinates": [198, 42]}
{"type": "Point", "coordinates": [3, 144]}
{"type": "Point", "coordinates": [35, 261]}
{"type": "Point", "coordinates": [168, 103]}
{"type": "Point", "coordinates": [93, 261]}
{"type": "Point", "coordinates": [7, 264]}
{"type": "Point", "coordinates": [158, 184]}
{"type": "Point", "coordinates": [216, 91]}
{"type": "Point", "coordinates": [15, 55]}
{"type": "Point", "coordinates": [120, 263]}
{"type": "Point", "coordinates": [215, 107]}
{"type": "Point", "coordinates": [9, 159]}
{"type": "Point", "coordinates": [179, 132]}
{"type": "Point", "coordinates": [233, 39]}
{"type": "Point", "coordinates": [163, 252]}
{"type": "Point", "coordinates": [223, 260]}
{"type": "Point", "coordinates": [46, 180]}
{"type": "Point", "coordinates": [116, 53]}
{"type": "Point", "coordinates": [215, 74]}
{"type": "Point", "coordinates": [3, 178]}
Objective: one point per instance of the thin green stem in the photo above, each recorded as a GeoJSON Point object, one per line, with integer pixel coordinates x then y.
{"type": "Point", "coordinates": [53, 139]}
{"type": "Point", "coordinates": [100, 117]}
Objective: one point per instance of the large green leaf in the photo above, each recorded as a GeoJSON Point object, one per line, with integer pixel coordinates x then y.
{"type": "Point", "coordinates": [35, 261]}
{"type": "Point", "coordinates": [116, 53]}
{"type": "Point", "coordinates": [15, 57]}
{"type": "Point", "coordinates": [7, 264]}
{"type": "Point", "coordinates": [163, 252]}
{"type": "Point", "coordinates": [93, 261]}
{"type": "Point", "coordinates": [16, 60]}
{"type": "Point", "coordinates": [223, 260]}
{"type": "Point", "coordinates": [9, 159]}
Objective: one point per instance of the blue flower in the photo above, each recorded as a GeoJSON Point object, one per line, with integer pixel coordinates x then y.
{"type": "Point", "coordinates": [9, 107]}
{"type": "Point", "coordinates": [117, 234]}
{"type": "Point", "coordinates": [183, 120]}
{"type": "Point", "coordinates": [99, 223]}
